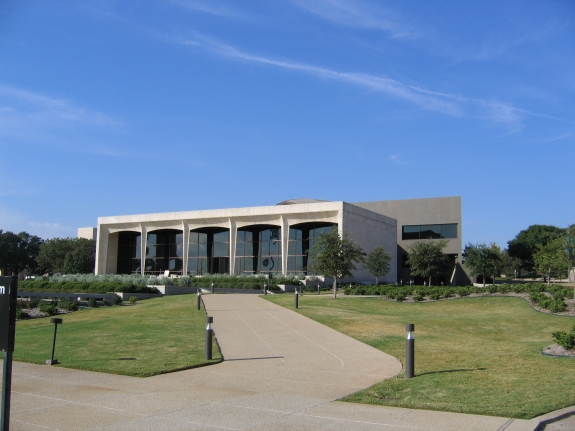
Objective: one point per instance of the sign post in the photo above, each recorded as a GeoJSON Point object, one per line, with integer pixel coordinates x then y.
{"type": "Point", "coordinates": [8, 295]}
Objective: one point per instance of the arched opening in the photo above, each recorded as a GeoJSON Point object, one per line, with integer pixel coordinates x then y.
{"type": "Point", "coordinates": [302, 238]}
{"type": "Point", "coordinates": [129, 253]}
{"type": "Point", "coordinates": [258, 250]}
{"type": "Point", "coordinates": [164, 252]}
{"type": "Point", "coordinates": [209, 251]}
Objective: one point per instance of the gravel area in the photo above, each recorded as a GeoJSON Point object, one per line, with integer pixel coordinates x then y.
{"type": "Point", "coordinates": [557, 350]}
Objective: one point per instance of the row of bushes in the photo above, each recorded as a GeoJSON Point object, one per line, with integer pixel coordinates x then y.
{"type": "Point", "coordinates": [46, 285]}
{"type": "Point", "coordinates": [555, 304]}
{"type": "Point", "coordinates": [144, 280]}
{"type": "Point", "coordinates": [51, 307]}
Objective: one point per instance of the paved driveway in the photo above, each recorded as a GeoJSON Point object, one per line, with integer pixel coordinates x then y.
{"type": "Point", "coordinates": [282, 371]}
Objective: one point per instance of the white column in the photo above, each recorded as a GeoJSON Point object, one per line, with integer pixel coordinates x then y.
{"type": "Point", "coordinates": [101, 250]}
{"type": "Point", "coordinates": [143, 245]}
{"type": "Point", "coordinates": [186, 247]}
{"type": "Point", "coordinates": [285, 238]}
{"type": "Point", "coordinates": [233, 236]}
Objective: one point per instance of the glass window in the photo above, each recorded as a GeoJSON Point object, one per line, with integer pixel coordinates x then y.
{"type": "Point", "coordinates": [410, 232]}
{"type": "Point", "coordinates": [291, 247]}
{"type": "Point", "coordinates": [222, 237]}
{"type": "Point", "coordinates": [249, 236]}
{"type": "Point", "coordinates": [449, 230]}
{"type": "Point", "coordinates": [202, 238]}
{"type": "Point", "coordinates": [430, 231]}
{"type": "Point", "coordinates": [221, 249]}
{"type": "Point", "coordinates": [151, 251]}
{"type": "Point", "coordinates": [292, 233]}
{"type": "Point", "coordinates": [240, 235]}
{"type": "Point", "coordinates": [194, 238]}
{"type": "Point", "coordinates": [239, 248]}
{"type": "Point", "coordinates": [151, 238]}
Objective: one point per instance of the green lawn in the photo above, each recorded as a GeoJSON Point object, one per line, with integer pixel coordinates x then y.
{"type": "Point", "coordinates": [473, 355]}
{"type": "Point", "coordinates": [154, 336]}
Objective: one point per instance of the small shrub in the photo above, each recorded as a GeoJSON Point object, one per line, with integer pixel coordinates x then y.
{"type": "Point", "coordinates": [33, 302]}
{"type": "Point", "coordinates": [21, 304]}
{"type": "Point", "coordinates": [493, 288]}
{"type": "Point", "coordinates": [417, 297]}
{"type": "Point", "coordinates": [47, 307]}
{"type": "Point", "coordinates": [105, 302]}
{"type": "Point", "coordinates": [400, 297]}
{"type": "Point", "coordinates": [556, 306]}
{"type": "Point", "coordinates": [21, 314]}
{"type": "Point", "coordinates": [133, 300]}
{"type": "Point", "coordinates": [564, 339]}
{"type": "Point", "coordinates": [434, 295]}
{"type": "Point", "coordinates": [92, 302]}
{"type": "Point", "coordinates": [117, 300]}
{"type": "Point", "coordinates": [67, 304]}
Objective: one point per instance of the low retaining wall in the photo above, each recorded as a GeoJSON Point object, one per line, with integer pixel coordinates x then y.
{"type": "Point", "coordinates": [175, 290]}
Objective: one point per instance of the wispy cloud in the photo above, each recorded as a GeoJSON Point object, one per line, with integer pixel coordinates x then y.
{"type": "Point", "coordinates": [493, 111]}
{"type": "Point", "coordinates": [212, 8]}
{"type": "Point", "coordinates": [397, 159]}
{"type": "Point", "coordinates": [356, 13]}
{"type": "Point", "coordinates": [51, 230]}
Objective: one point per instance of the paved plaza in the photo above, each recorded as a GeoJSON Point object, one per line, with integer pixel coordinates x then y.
{"type": "Point", "coordinates": [282, 371]}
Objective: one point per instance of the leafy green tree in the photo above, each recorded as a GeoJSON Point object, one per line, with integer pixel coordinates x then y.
{"type": "Point", "coordinates": [527, 242]}
{"type": "Point", "coordinates": [53, 254]}
{"type": "Point", "coordinates": [334, 256]}
{"type": "Point", "coordinates": [377, 262]}
{"type": "Point", "coordinates": [482, 260]}
{"type": "Point", "coordinates": [569, 244]}
{"type": "Point", "coordinates": [552, 259]}
{"type": "Point", "coordinates": [80, 260]}
{"type": "Point", "coordinates": [18, 251]}
{"type": "Point", "coordinates": [426, 258]}
{"type": "Point", "coordinates": [510, 265]}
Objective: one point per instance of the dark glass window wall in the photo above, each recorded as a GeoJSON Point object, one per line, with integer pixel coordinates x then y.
{"type": "Point", "coordinates": [433, 231]}
{"type": "Point", "coordinates": [209, 251]}
{"type": "Point", "coordinates": [301, 240]}
{"type": "Point", "coordinates": [129, 252]}
{"type": "Point", "coordinates": [164, 251]}
{"type": "Point", "coordinates": [258, 250]}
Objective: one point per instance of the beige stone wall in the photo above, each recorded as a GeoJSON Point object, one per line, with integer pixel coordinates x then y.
{"type": "Point", "coordinates": [87, 232]}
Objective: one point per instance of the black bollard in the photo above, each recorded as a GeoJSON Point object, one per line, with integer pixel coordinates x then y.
{"type": "Point", "coordinates": [409, 351]}
{"type": "Point", "coordinates": [209, 331]}
{"type": "Point", "coordinates": [265, 289]}
{"type": "Point", "coordinates": [296, 299]}
{"type": "Point", "coordinates": [318, 291]}
{"type": "Point", "coordinates": [56, 322]}
{"type": "Point", "coordinates": [212, 287]}
{"type": "Point", "coordinates": [199, 299]}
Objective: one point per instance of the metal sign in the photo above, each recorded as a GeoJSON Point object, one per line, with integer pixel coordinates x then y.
{"type": "Point", "coordinates": [8, 288]}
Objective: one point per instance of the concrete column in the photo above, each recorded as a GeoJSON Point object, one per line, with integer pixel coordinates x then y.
{"type": "Point", "coordinates": [186, 247]}
{"type": "Point", "coordinates": [284, 244]}
{"type": "Point", "coordinates": [144, 241]}
{"type": "Point", "coordinates": [233, 236]}
{"type": "Point", "coordinates": [101, 249]}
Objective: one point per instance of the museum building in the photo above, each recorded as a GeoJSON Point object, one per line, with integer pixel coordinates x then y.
{"type": "Point", "coordinates": [273, 240]}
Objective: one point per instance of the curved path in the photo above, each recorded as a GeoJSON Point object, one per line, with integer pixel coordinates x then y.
{"type": "Point", "coordinates": [282, 371]}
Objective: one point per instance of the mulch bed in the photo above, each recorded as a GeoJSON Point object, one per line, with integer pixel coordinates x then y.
{"type": "Point", "coordinates": [557, 350]}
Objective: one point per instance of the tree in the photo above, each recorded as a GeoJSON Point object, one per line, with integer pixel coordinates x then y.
{"type": "Point", "coordinates": [510, 265]}
{"type": "Point", "coordinates": [527, 242]}
{"type": "Point", "coordinates": [377, 262]}
{"type": "Point", "coordinates": [551, 259]}
{"type": "Point", "coordinates": [426, 258]}
{"type": "Point", "coordinates": [54, 251]}
{"type": "Point", "coordinates": [334, 256]}
{"type": "Point", "coordinates": [18, 251]}
{"type": "Point", "coordinates": [482, 260]}
{"type": "Point", "coordinates": [569, 244]}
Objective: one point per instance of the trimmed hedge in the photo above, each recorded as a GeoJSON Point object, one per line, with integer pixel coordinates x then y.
{"type": "Point", "coordinates": [45, 285]}
{"type": "Point", "coordinates": [536, 291]}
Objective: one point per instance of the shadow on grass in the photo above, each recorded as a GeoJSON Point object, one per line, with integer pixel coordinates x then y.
{"type": "Point", "coordinates": [451, 371]}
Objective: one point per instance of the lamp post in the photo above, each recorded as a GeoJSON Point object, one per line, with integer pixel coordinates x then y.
{"type": "Point", "coordinates": [212, 286]}
{"type": "Point", "coordinates": [56, 321]}
{"type": "Point", "coordinates": [209, 332]}
{"type": "Point", "coordinates": [409, 351]}
{"type": "Point", "coordinates": [296, 302]}
{"type": "Point", "coordinates": [199, 299]}
{"type": "Point", "coordinates": [265, 289]}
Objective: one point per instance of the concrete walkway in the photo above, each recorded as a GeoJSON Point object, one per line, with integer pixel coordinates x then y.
{"type": "Point", "coordinates": [282, 371]}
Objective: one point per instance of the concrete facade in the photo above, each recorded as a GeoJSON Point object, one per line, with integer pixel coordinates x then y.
{"type": "Point", "coordinates": [370, 224]}
{"type": "Point", "coordinates": [425, 211]}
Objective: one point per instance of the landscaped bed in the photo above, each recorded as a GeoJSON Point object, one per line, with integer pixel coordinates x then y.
{"type": "Point", "coordinates": [155, 336]}
{"type": "Point", "coordinates": [473, 355]}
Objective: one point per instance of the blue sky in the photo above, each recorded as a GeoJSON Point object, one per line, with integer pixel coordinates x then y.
{"type": "Point", "coordinates": [113, 108]}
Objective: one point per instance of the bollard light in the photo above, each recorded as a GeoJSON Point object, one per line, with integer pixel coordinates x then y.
{"type": "Point", "coordinates": [56, 321]}
{"type": "Point", "coordinates": [212, 287]}
{"type": "Point", "coordinates": [296, 302]}
{"type": "Point", "coordinates": [265, 289]}
{"type": "Point", "coordinates": [318, 290]}
{"type": "Point", "coordinates": [199, 299]}
{"type": "Point", "coordinates": [409, 351]}
{"type": "Point", "coordinates": [209, 332]}
{"type": "Point", "coordinates": [401, 282]}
